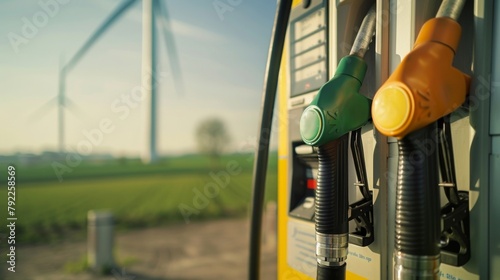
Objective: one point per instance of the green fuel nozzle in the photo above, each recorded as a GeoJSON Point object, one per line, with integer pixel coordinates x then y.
{"type": "Point", "coordinates": [335, 111]}
{"type": "Point", "coordinates": [338, 108]}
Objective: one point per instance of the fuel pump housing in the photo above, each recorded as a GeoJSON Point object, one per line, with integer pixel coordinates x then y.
{"type": "Point", "coordinates": [320, 33]}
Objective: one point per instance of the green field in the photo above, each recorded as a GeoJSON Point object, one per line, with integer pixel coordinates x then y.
{"type": "Point", "coordinates": [138, 195]}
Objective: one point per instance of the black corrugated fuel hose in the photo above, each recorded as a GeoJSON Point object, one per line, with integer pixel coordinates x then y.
{"type": "Point", "coordinates": [331, 212]}
{"type": "Point", "coordinates": [262, 152]}
{"type": "Point", "coordinates": [417, 254]}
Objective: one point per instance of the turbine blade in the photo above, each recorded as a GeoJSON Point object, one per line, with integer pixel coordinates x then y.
{"type": "Point", "coordinates": [98, 33]}
{"type": "Point", "coordinates": [42, 110]}
{"type": "Point", "coordinates": [172, 55]}
{"type": "Point", "coordinates": [73, 108]}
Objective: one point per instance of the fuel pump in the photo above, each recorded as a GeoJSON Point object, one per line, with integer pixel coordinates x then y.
{"type": "Point", "coordinates": [427, 171]}
{"type": "Point", "coordinates": [412, 106]}
{"type": "Point", "coordinates": [338, 109]}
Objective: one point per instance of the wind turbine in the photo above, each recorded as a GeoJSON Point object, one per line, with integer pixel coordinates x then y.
{"type": "Point", "coordinates": [62, 102]}
{"type": "Point", "coordinates": [154, 13]}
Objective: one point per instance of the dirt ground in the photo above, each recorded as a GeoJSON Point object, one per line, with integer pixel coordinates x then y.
{"type": "Point", "coordinates": [204, 250]}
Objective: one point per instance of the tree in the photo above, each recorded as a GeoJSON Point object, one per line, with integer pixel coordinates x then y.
{"type": "Point", "coordinates": [212, 138]}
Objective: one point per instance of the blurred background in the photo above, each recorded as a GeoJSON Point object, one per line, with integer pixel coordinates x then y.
{"type": "Point", "coordinates": [131, 126]}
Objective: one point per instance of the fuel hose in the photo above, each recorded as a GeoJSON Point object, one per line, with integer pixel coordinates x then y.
{"type": "Point", "coordinates": [331, 212]}
{"type": "Point", "coordinates": [418, 229]}
{"type": "Point", "coordinates": [262, 152]}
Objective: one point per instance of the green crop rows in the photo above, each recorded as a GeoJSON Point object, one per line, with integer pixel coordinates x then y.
{"type": "Point", "coordinates": [138, 195]}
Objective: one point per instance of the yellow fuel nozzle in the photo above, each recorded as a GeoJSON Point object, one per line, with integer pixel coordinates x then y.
{"type": "Point", "coordinates": [425, 86]}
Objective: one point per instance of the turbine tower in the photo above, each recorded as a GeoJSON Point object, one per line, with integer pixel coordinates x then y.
{"type": "Point", "coordinates": [150, 153]}
{"type": "Point", "coordinates": [61, 103]}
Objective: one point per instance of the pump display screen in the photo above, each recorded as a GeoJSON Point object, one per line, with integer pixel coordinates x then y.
{"type": "Point", "coordinates": [308, 51]}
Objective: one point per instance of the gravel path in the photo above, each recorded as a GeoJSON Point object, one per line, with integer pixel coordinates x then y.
{"type": "Point", "coordinates": [205, 250]}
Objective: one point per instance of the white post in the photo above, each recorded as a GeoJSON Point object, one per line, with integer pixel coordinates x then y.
{"type": "Point", "coordinates": [149, 79]}
{"type": "Point", "coordinates": [100, 240]}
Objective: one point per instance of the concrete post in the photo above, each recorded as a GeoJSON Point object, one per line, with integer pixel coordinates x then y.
{"type": "Point", "coordinates": [100, 240]}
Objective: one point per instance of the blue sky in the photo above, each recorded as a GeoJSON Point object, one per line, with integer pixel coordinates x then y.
{"type": "Point", "coordinates": [222, 59]}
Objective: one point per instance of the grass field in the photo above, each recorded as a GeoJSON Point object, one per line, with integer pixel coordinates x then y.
{"type": "Point", "coordinates": [138, 195]}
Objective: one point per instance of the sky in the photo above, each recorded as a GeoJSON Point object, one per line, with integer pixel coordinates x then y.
{"type": "Point", "coordinates": [222, 47]}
